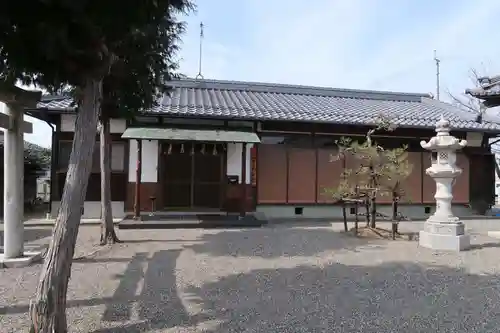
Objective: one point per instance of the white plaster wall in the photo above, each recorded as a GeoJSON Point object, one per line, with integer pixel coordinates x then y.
{"type": "Point", "coordinates": [92, 209]}
{"type": "Point", "coordinates": [234, 160]}
{"type": "Point", "coordinates": [68, 124]}
{"type": "Point", "coordinates": [149, 165]}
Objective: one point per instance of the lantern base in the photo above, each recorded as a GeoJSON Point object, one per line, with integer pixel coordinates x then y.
{"type": "Point", "coordinates": [450, 240]}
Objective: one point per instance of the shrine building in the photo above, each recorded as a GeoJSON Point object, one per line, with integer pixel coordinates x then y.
{"type": "Point", "coordinates": [225, 146]}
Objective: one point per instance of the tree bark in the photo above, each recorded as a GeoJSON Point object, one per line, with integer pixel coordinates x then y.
{"type": "Point", "coordinates": [373, 211]}
{"type": "Point", "coordinates": [108, 233]}
{"type": "Point", "coordinates": [394, 214]}
{"type": "Point", "coordinates": [367, 208]}
{"type": "Point", "coordinates": [373, 197]}
{"type": "Point", "coordinates": [48, 309]}
{"type": "Point", "coordinates": [394, 206]}
{"type": "Point", "coordinates": [356, 210]}
{"type": "Point", "coordinates": [344, 215]}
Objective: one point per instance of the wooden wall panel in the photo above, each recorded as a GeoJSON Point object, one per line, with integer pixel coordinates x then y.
{"type": "Point", "coordinates": [482, 181]}
{"type": "Point", "coordinates": [351, 162]}
{"type": "Point", "coordinates": [147, 191]}
{"type": "Point", "coordinates": [429, 186]}
{"type": "Point", "coordinates": [272, 175]}
{"type": "Point", "coordinates": [301, 175]}
{"type": "Point", "coordinates": [461, 187]}
{"type": "Point", "coordinates": [118, 187]}
{"type": "Point", "coordinates": [329, 173]}
{"type": "Point", "coordinates": [413, 184]}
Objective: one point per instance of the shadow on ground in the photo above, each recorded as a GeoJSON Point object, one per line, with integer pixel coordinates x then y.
{"type": "Point", "coordinates": [278, 242]}
{"type": "Point", "coordinates": [31, 234]}
{"type": "Point", "coordinates": [396, 297]}
{"type": "Point", "coordinates": [402, 297]}
{"type": "Point", "coordinates": [391, 297]}
{"type": "Point", "coordinates": [159, 306]}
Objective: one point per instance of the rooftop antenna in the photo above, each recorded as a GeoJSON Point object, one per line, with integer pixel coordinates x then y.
{"type": "Point", "coordinates": [436, 59]}
{"type": "Point", "coordinates": [200, 76]}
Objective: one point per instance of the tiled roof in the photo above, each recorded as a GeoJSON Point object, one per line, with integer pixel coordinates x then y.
{"type": "Point", "coordinates": [488, 87]}
{"type": "Point", "coordinates": [479, 93]}
{"type": "Point", "coordinates": [56, 103]}
{"type": "Point", "coordinates": [495, 148]}
{"type": "Point", "coordinates": [264, 101]}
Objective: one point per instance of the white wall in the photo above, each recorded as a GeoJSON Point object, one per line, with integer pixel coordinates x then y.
{"type": "Point", "coordinates": [92, 209]}
{"type": "Point", "coordinates": [149, 165]}
{"type": "Point", "coordinates": [234, 160]}
{"type": "Point", "coordinates": [68, 124]}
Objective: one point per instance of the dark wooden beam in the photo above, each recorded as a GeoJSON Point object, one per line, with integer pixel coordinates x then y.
{"type": "Point", "coordinates": [243, 204]}
{"type": "Point", "coordinates": [138, 172]}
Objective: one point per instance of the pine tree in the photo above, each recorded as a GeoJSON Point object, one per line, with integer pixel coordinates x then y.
{"type": "Point", "coordinates": [380, 172]}
{"type": "Point", "coordinates": [78, 44]}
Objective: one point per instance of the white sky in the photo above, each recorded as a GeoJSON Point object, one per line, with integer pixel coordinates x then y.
{"type": "Point", "coordinates": [360, 44]}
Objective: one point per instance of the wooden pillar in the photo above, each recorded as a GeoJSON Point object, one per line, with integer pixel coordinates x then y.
{"type": "Point", "coordinates": [243, 203]}
{"type": "Point", "coordinates": [138, 172]}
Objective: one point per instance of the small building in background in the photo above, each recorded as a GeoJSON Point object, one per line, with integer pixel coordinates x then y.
{"type": "Point", "coordinates": [43, 187]}
{"type": "Point", "coordinates": [488, 92]}
{"type": "Point", "coordinates": [266, 148]}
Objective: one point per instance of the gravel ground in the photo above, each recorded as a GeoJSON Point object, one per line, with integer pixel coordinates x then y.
{"type": "Point", "coordinates": [293, 278]}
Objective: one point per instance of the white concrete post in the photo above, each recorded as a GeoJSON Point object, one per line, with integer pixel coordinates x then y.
{"type": "Point", "coordinates": [20, 169]}
{"type": "Point", "coordinates": [443, 230]}
{"type": "Point", "coordinates": [13, 185]}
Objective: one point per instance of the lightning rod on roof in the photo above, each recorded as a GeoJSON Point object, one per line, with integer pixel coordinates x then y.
{"type": "Point", "coordinates": [199, 75]}
{"type": "Point", "coordinates": [436, 59]}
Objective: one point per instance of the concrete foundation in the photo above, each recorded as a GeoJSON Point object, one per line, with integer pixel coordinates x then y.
{"type": "Point", "coordinates": [494, 234]}
{"type": "Point", "coordinates": [334, 212]}
{"type": "Point", "coordinates": [29, 257]}
{"type": "Point", "coordinates": [444, 236]}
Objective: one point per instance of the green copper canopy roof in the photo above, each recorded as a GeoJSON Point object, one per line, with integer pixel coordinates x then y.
{"type": "Point", "coordinates": [176, 134]}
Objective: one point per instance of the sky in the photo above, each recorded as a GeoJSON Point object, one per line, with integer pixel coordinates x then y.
{"type": "Point", "coordinates": [357, 44]}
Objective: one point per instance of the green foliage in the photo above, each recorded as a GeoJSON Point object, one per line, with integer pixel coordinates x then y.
{"type": "Point", "coordinates": [70, 41]}
{"type": "Point", "coordinates": [36, 156]}
{"type": "Point", "coordinates": [395, 170]}
{"type": "Point", "coordinates": [380, 172]}
{"type": "Point", "coordinates": [146, 63]}
{"type": "Point", "coordinates": [344, 190]}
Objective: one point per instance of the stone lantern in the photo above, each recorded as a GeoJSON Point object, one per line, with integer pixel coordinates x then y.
{"type": "Point", "coordinates": [443, 230]}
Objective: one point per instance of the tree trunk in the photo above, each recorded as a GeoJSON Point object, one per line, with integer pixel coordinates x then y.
{"type": "Point", "coordinates": [367, 208]}
{"type": "Point", "coordinates": [356, 219]}
{"type": "Point", "coordinates": [373, 197]}
{"type": "Point", "coordinates": [344, 215]}
{"type": "Point", "coordinates": [394, 213]}
{"type": "Point", "coordinates": [394, 223]}
{"type": "Point", "coordinates": [48, 309]}
{"type": "Point", "coordinates": [356, 210]}
{"type": "Point", "coordinates": [394, 206]}
{"type": "Point", "coordinates": [108, 233]}
{"type": "Point", "coordinates": [373, 211]}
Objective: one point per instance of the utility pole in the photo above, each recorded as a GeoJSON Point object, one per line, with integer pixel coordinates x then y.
{"type": "Point", "coordinates": [200, 76]}
{"type": "Point", "coordinates": [436, 59]}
